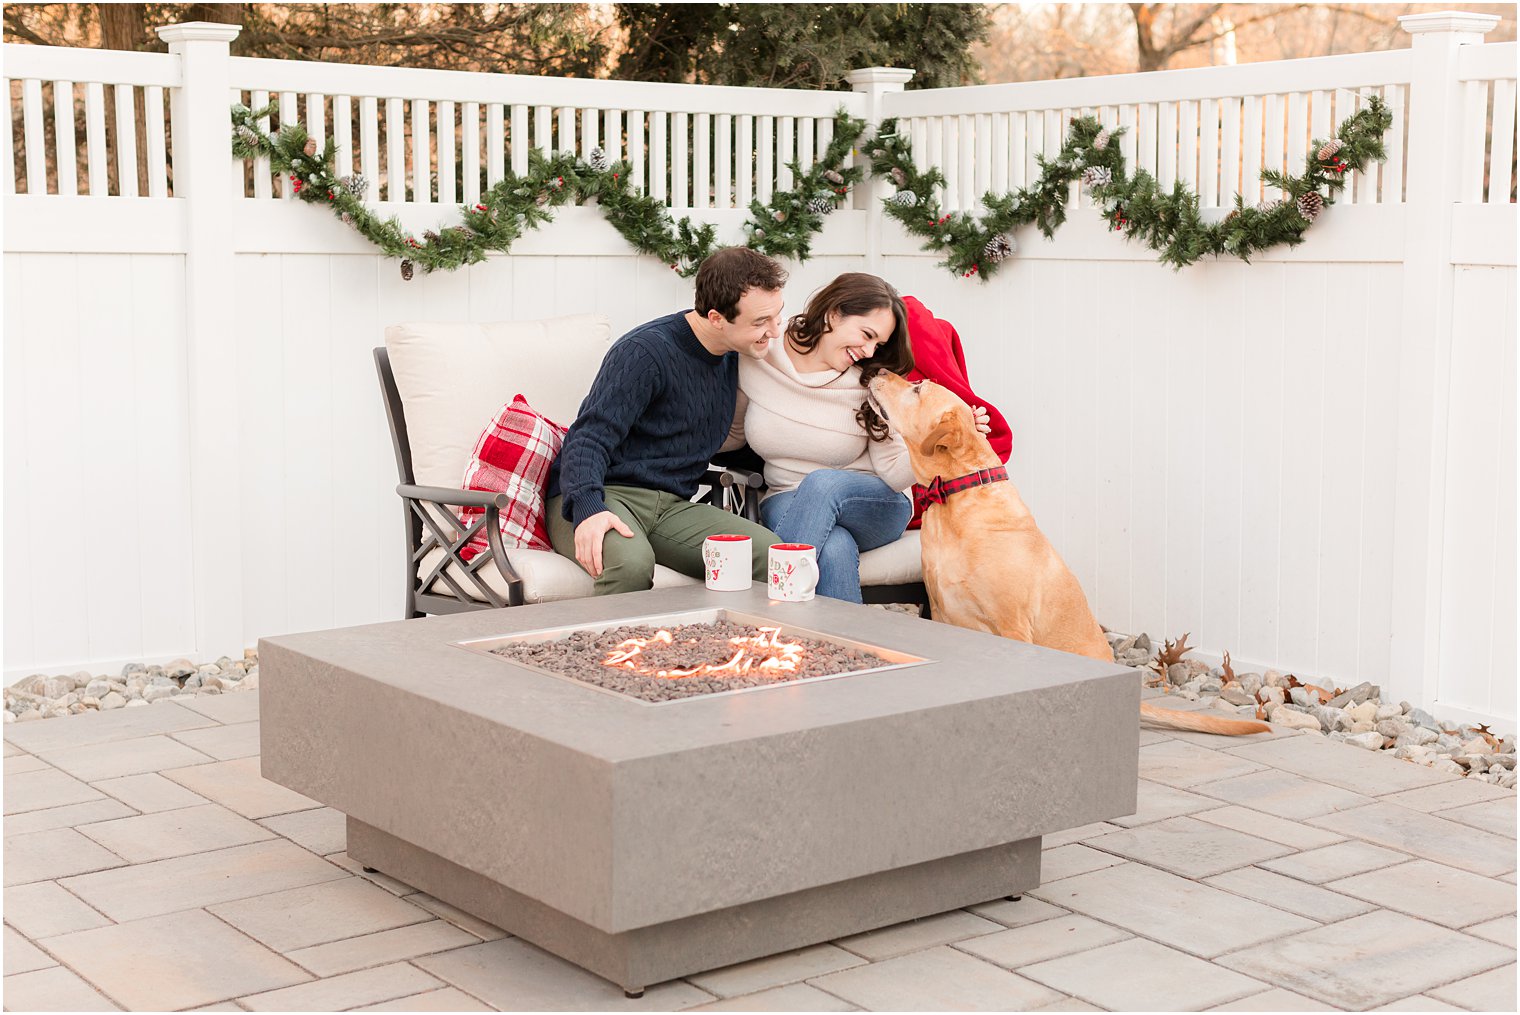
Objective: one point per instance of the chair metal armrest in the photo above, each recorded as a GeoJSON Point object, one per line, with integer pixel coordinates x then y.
{"type": "Point", "coordinates": [415, 496]}
{"type": "Point", "coordinates": [733, 475]}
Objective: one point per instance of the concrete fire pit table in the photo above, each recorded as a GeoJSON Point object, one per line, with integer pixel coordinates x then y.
{"type": "Point", "coordinates": [649, 841]}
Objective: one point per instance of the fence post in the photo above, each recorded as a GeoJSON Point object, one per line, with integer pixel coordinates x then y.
{"type": "Point", "coordinates": [201, 150]}
{"type": "Point", "coordinates": [876, 82]}
{"type": "Point", "coordinates": [1433, 142]}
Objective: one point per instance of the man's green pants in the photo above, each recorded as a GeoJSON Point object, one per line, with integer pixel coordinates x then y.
{"type": "Point", "coordinates": [667, 530]}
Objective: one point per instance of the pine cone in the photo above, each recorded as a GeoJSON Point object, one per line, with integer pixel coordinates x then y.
{"type": "Point", "coordinates": [1101, 141]}
{"type": "Point", "coordinates": [356, 185]}
{"type": "Point", "coordinates": [779, 216]}
{"type": "Point", "coordinates": [821, 205]}
{"type": "Point", "coordinates": [1094, 177]}
{"type": "Point", "coordinates": [833, 177]}
{"type": "Point", "coordinates": [1329, 149]}
{"type": "Point", "coordinates": [905, 199]}
{"type": "Point", "coordinates": [1310, 205]}
{"type": "Point", "coordinates": [247, 135]}
{"type": "Point", "coordinates": [598, 160]}
{"type": "Point", "coordinates": [899, 177]}
{"type": "Point", "coordinates": [406, 271]}
{"type": "Point", "coordinates": [998, 248]}
{"type": "Point", "coordinates": [311, 147]}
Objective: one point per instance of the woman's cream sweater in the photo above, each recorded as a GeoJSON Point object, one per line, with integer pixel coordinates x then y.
{"type": "Point", "coordinates": [799, 422]}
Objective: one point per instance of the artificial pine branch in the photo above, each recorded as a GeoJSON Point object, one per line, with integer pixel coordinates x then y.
{"type": "Point", "coordinates": [517, 204]}
{"type": "Point", "coordinates": [1169, 223]}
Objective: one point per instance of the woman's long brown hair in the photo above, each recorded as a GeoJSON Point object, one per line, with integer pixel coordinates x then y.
{"type": "Point", "coordinates": [854, 294]}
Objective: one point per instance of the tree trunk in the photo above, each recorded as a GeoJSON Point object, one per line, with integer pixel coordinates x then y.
{"type": "Point", "coordinates": [123, 26]}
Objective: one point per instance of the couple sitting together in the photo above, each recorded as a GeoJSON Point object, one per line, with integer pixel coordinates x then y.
{"type": "Point", "coordinates": [672, 393]}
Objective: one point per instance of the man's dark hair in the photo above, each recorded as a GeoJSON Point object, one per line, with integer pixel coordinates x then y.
{"type": "Point", "coordinates": [728, 273]}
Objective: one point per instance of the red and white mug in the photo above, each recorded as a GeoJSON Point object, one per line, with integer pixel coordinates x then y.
{"type": "Point", "coordinates": [793, 572]}
{"type": "Point", "coordinates": [726, 562]}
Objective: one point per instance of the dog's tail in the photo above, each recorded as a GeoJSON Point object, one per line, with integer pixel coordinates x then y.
{"type": "Point", "coordinates": [1176, 719]}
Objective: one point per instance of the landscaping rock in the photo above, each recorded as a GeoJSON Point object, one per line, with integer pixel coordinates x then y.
{"type": "Point", "coordinates": [1387, 712]}
{"type": "Point", "coordinates": [1273, 696]}
{"type": "Point", "coordinates": [1282, 715]}
{"type": "Point", "coordinates": [1393, 728]}
{"type": "Point", "coordinates": [179, 668]}
{"type": "Point", "coordinates": [1448, 766]}
{"type": "Point", "coordinates": [1371, 741]}
{"type": "Point", "coordinates": [1420, 717]}
{"type": "Point", "coordinates": [135, 702]}
{"type": "Point", "coordinates": [1250, 682]}
{"type": "Point", "coordinates": [112, 700]}
{"type": "Point", "coordinates": [1235, 694]}
{"type": "Point", "coordinates": [157, 692]}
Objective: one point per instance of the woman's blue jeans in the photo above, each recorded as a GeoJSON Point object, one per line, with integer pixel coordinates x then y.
{"type": "Point", "coordinates": [843, 514]}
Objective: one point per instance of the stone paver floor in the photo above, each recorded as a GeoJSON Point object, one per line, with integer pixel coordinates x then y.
{"type": "Point", "coordinates": [149, 867]}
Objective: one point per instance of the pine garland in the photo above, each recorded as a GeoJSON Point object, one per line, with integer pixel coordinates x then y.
{"type": "Point", "coordinates": [1169, 223]}
{"type": "Point", "coordinates": [782, 227]}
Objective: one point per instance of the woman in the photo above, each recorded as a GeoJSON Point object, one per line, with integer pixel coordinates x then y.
{"type": "Point", "coordinates": [835, 470]}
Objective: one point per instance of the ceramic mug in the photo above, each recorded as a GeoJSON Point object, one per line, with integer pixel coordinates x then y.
{"type": "Point", "coordinates": [726, 562]}
{"type": "Point", "coordinates": [793, 572]}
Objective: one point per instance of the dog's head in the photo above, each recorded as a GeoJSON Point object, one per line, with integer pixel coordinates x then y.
{"type": "Point", "coordinates": [936, 425]}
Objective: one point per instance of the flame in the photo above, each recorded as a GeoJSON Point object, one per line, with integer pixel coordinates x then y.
{"type": "Point", "coordinates": [764, 651]}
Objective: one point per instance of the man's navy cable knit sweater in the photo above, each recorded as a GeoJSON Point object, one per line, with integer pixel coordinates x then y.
{"type": "Point", "coordinates": [659, 409]}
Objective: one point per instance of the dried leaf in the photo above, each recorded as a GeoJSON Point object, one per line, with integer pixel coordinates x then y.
{"type": "Point", "coordinates": [1229, 671]}
{"type": "Point", "coordinates": [1483, 731]}
{"type": "Point", "coordinates": [1173, 652]}
{"type": "Point", "coordinates": [1261, 712]}
{"type": "Point", "coordinates": [1323, 695]}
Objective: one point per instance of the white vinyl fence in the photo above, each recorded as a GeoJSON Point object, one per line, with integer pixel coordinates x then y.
{"type": "Point", "coordinates": [1307, 461]}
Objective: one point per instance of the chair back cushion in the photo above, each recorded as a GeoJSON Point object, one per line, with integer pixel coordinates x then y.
{"type": "Point", "coordinates": [453, 377]}
{"type": "Point", "coordinates": [513, 457]}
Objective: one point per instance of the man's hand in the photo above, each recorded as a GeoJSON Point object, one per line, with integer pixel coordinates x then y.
{"type": "Point", "coordinates": [979, 416]}
{"type": "Point", "coordinates": [588, 539]}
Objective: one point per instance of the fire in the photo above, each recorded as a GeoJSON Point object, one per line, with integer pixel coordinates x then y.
{"type": "Point", "coordinates": [764, 651]}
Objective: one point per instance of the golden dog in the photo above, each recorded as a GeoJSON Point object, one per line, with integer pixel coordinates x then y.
{"type": "Point", "coordinates": [987, 565]}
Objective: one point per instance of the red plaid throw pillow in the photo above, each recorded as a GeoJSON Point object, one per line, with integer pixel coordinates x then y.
{"type": "Point", "coordinates": [513, 457]}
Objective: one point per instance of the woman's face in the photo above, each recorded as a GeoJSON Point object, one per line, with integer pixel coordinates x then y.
{"type": "Point", "coordinates": [854, 337]}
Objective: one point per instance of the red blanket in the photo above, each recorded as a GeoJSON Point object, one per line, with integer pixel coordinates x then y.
{"type": "Point", "coordinates": [938, 357]}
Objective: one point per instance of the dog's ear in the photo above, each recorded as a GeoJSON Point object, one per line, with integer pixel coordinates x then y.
{"type": "Point", "coordinates": [947, 433]}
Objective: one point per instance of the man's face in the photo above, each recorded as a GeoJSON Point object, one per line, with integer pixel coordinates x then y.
{"type": "Point", "coordinates": [754, 327]}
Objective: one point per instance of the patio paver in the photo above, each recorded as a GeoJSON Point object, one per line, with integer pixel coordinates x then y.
{"type": "Point", "coordinates": [1431, 891]}
{"type": "Point", "coordinates": [1369, 960]}
{"type": "Point", "coordinates": [54, 989]}
{"type": "Point", "coordinates": [1189, 847]}
{"type": "Point", "coordinates": [1344, 896]}
{"type": "Point", "coordinates": [1289, 894]}
{"type": "Point", "coordinates": [939, 979]}
{"type": "Point", "coordinates": [1185, 914]}
{"type": "Point", "coordinates": [1140, 975]}
{"type": "Point", "coordinates": [775, 971]}
{"type": "Point", "coordinates": [1314, 757]}
{"type": "Point", "coordinates": [1425, 835]}
{"type": "Point", "coordinates": [123, 757]}
{"type": "Point", "coordinates": [174, 961]}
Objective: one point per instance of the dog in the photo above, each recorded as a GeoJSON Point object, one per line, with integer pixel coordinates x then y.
{"type": "Point", "coordinates": [987, 565]}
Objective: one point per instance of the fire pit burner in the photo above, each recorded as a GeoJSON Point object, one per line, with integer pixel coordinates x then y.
{"type": "Point", "coordinates": [662, 664]}
{"type": "Point", "coordinates": [658, 660]}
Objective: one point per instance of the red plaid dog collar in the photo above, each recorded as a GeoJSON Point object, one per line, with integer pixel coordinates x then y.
{"type": "Point", "coordinates": [939, 489]}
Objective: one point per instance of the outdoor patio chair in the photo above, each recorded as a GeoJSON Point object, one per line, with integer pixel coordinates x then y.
{"type": "Point", "coordinates": [442, 382]}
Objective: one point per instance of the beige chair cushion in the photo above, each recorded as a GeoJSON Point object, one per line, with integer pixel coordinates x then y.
{"type": "Point", "coordinates": [894, 564]}
{"type": "Point", "coordinates": [546, 576]}
{"type": "Point", "coordinates": [453, 377]}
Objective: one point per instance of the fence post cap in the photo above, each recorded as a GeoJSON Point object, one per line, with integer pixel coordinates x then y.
{"type": "Point", "coordinates": [867, 76]}
{"type": "Point", "coordinates": [1448, 21]}
{"type": "Point", "coordinates": [199, 31]}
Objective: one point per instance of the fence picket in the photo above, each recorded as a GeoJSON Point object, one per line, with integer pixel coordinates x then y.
{"type": "Point", "coordinates": [934, 153]}
{"type": "Point", "coordinates": [658, 160]}
{"type": "Point", "coordinates": [701, 170]}
{"type": "Point", "coordinates": [981, 180]}
{"type": "Point", "coordinates": [316, 119]}
{"type": "Point", "coordinates": [1272, 119]}
{"type": "Point", "coordinates": [369, 144]}
{"type": "Point", "coordinates": [64, 148]}
{"type": "Point", "coordinates": [343, 133]}
{"type": "Point", "coordinates": [612, 134]}
{"type": "Point", "coordinates": [31, 125]}
{"type": "Point", "coordinates": [998, 181]}
{"type": "Point", "coordinates": [1187, 144]}
{"type": "Point", "coordinates": [1297, 134]}
{"type": "Point", "coordinates": [807, 132]}
{"type": "Point", "coordinates": [1230, 144]}
{"type": "Point", "coordinates": [8, 157]}
{"type": "Point", "coordinates": [636, 152]}
{"type": "Point", "coordinates": [590, 131]}
{"type": "Point", "coordinates": [447, 193]}
{"type": "Point", "coordinates": [95, 138]}
{"type": "Point", "coordinates": [744, 162]}
{"type": "Point", "coordinates": [1474, 117]}
{"type": "Point", "coordinates": [1208, 156]}
{"type": "Point", "coordinates": [786, 136]}
{"type": "Point", "coordinates": [496, 141]}
{"type": "Point", "coordinates": [1146, 117]}
{"type": "Point", "coordinates": [1250, 156]}
{"type": "Point", "coordinates": [564, 138]}
{"type": "Point", "coordinates": [287, 114]}
{"type": "Point", "coordinates": [680, 195]}
{"type": "Point", "coordinates": [765, 159]}
{"type": "Point", "coordinates": [1166, 144]}
{"type": "Point", "coordinates": [723, 193]}
{"type": "Point", "coordinates": [543, 129]}
{"type": "Point", "coordinates": [1500, 166]}
{"type": "Point", "coordinates": [469, 146]}
{"type": "Point", "coordinates": [395, 150]}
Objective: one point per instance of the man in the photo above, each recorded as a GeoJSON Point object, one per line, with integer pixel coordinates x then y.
{"type": "Point", "coordinates": [659, 409]}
